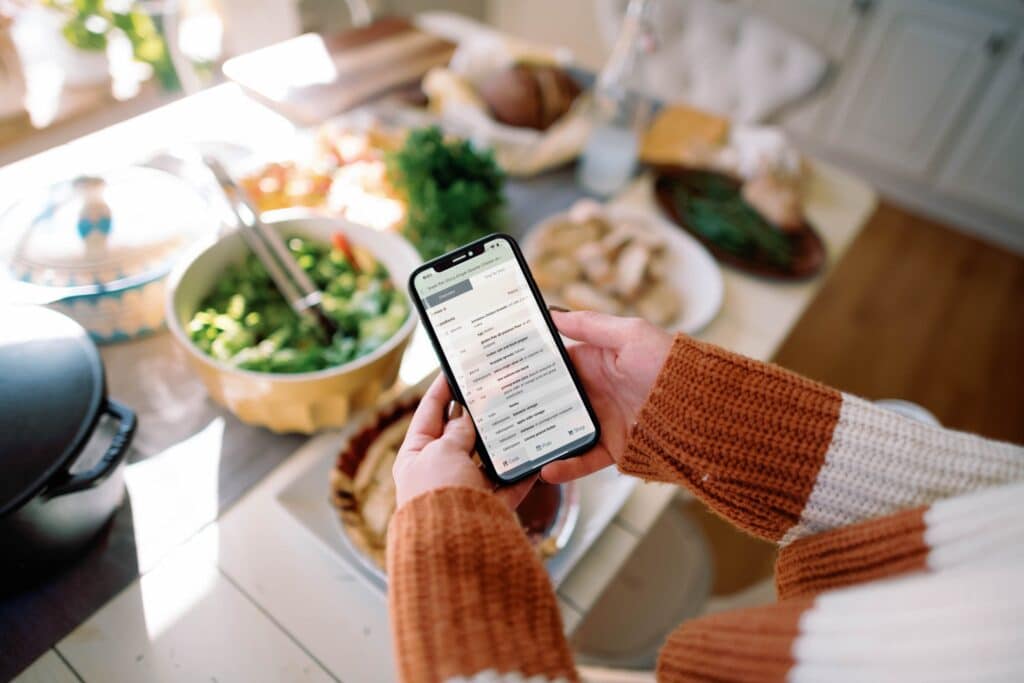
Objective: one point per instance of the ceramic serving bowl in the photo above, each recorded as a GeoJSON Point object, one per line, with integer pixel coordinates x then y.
{"type": "Point", "coordinates": [301, 402]}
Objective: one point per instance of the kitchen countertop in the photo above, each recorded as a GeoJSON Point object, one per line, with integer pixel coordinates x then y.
{"type": "Point", "coordinates": [226, 590]}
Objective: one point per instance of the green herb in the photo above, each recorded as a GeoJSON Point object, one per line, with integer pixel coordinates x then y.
{"type": "Point", "coordinates": [453, 192]}
{"type": "Point", "coordinates": [245, 321]}
{"type": "Point", "coordinates": [714, 208]}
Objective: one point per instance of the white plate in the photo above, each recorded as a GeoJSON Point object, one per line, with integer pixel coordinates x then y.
{"type": "Point", "coordinates": [306, 499]}
{"type": "Point", "coordinates": [692, 272]}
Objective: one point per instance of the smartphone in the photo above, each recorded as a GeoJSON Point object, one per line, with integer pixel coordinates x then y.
{"type": "Point", "coordinates": [503, 357]}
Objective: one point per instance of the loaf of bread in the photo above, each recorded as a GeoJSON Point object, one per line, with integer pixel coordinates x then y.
{"type": "Point", "coordinates": [529, 95]}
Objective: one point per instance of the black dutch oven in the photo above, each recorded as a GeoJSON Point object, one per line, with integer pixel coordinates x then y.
{"type": "Point", "coordinates": [52, 395]}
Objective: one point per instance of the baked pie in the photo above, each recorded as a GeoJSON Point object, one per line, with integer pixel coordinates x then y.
{"type": "Point", "coordinates": [363, 491]}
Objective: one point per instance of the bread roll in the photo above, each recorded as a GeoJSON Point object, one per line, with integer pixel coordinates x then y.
{"type": "Point", "coordinates": [529, 95]}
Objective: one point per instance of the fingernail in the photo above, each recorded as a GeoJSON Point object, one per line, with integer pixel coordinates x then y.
{"type": "Point", "coordinates": [558, 309]}
{"type": "Point", "coordinates": [454, 410]}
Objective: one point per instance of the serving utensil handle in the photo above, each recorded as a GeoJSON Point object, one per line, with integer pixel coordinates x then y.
{"type": "Point", "coordinates": [288, 276]}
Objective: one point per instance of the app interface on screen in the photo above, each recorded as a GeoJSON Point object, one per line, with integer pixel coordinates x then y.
{"type": "Point", "coordinates": [516, 385]}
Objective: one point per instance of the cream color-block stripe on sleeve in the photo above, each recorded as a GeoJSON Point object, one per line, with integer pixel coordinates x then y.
{"type": "Point", "coordinates": [963, 625]}
{"type": "Point", "coordinates": [879, 462]}
{"type": "Point", "coordinates": [982, 528]}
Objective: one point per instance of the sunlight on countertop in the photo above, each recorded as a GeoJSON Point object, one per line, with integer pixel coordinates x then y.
{"type": "Point", "coordinates": [174, 493]}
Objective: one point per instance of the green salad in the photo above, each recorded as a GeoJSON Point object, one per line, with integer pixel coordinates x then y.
{"type": "Point", "coordinates": [245, 321]}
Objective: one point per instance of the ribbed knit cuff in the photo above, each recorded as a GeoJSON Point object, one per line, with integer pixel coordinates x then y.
{"type": "Point", "coordinates": [746, 437]}
{"type": "Point", "coordinates": [864, 552]}
{"type": "Point", "coordinates": [467, 592]}
{"type": "Point", "coordinates": [984, 527]}
{"type": "Point", "coordinates": [743, 645]}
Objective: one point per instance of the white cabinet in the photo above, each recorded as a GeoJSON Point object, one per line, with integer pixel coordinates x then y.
{"type": "Point", "coordinates": [987, 162]}
{"type": "Point", "coordinates": [911, 82]}
{"type": "Point", "coordinates": [828, 25]}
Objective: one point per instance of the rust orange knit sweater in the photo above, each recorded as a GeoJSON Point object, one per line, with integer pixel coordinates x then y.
{"type": "Point", "coordinates": [853, 494]}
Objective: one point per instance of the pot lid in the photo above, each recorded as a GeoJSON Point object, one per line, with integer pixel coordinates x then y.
{"type": "Point", "coordinates": [101, 229]}
{"type": "Point", "coordinates": [53, 391]}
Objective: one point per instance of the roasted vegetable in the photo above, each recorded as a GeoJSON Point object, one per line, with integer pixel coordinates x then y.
{"type": "Point", "coordinates": [246, 322]}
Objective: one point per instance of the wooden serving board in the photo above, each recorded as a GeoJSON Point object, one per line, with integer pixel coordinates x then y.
{"type": "Point", "coordinates": [312, 77]}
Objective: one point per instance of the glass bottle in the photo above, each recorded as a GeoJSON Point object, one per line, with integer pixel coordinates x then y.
{"type": "Point", "coordinates": [620, 110]}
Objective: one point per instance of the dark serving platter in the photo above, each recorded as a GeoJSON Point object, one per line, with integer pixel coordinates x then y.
{"type": "Point", "coordinates": [808, 251]}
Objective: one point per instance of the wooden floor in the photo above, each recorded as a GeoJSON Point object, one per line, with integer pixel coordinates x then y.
{"type": "Point", "coordinates": [920, 312]}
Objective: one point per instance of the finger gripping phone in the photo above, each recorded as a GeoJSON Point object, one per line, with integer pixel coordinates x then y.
{"type": "Point", "coordinates": [503, 357]}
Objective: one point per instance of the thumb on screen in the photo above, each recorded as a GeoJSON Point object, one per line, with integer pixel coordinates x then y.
{"type": "Point", "coordinates": [598, 329]}
{"type": "Point", "coordinates": [459, 432]}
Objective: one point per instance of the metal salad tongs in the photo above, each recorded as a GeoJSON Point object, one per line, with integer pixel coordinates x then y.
{"type": "Point", "coordinates": [290, 279]}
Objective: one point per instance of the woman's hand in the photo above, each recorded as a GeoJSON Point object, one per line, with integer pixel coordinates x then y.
{"type": "Point", "coordinates": [617, 361]}
{"type": "Point", "coordinates": [437, 455]}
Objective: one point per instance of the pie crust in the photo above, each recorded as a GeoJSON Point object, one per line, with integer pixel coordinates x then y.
{"type": "Point", "coordinates": [363, 491]}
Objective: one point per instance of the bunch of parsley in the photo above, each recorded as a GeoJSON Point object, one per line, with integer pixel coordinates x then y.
{"type": "Point", "coordinates": [453, 192]}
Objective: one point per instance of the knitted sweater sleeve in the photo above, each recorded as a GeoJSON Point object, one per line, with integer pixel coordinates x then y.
{"type": "Point", "coordinates": [925, 594]}
{"type": "Point", "coordinates": [785, 457]}
{"type": "Point", "coordinates": [469, 599]}
{"type": "Point", "coordinates": [470, 603]}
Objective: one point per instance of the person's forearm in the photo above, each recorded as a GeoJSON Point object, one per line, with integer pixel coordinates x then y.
{"type": "Point", "coordinates": [784, 457]}
{"type": "Point", "coordinates": [469, 599]}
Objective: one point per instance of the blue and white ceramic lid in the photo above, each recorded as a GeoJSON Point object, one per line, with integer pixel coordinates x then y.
{"type": "Point", "coordinates": [116, 229]}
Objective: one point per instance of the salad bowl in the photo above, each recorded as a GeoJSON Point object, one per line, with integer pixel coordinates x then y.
{"type": "Point", "coordinates": [303, 402]}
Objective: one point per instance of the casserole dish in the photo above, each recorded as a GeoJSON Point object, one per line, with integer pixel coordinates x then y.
{"type": "Point", "coordinates": [98, 248]}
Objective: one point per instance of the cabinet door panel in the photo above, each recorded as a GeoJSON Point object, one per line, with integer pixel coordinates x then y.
{"type": "Point", "coordinates": [825, 24]}
{"type": "Point", "coordinates": [987, 163]}
{"type": "Point", "coordinates": [828, 25]}
{"type": "Point", "coordinates": [920, 64]}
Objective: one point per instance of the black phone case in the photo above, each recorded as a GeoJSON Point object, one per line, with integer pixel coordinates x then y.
{"type": "Point", "coordinates": [485, 457]}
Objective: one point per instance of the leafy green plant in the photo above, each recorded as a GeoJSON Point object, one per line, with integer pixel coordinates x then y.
{"type": "Point", "coordinates": [454, 193]}
{"type": "Point", "coordinates": [90, 22]}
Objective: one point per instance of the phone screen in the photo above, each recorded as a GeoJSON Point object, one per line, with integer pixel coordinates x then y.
{"type": "Point", "coordinates": [505, 359]}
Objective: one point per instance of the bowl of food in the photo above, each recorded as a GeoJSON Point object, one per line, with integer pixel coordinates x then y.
{"type": "Point", "coordinates": [265, 364]}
